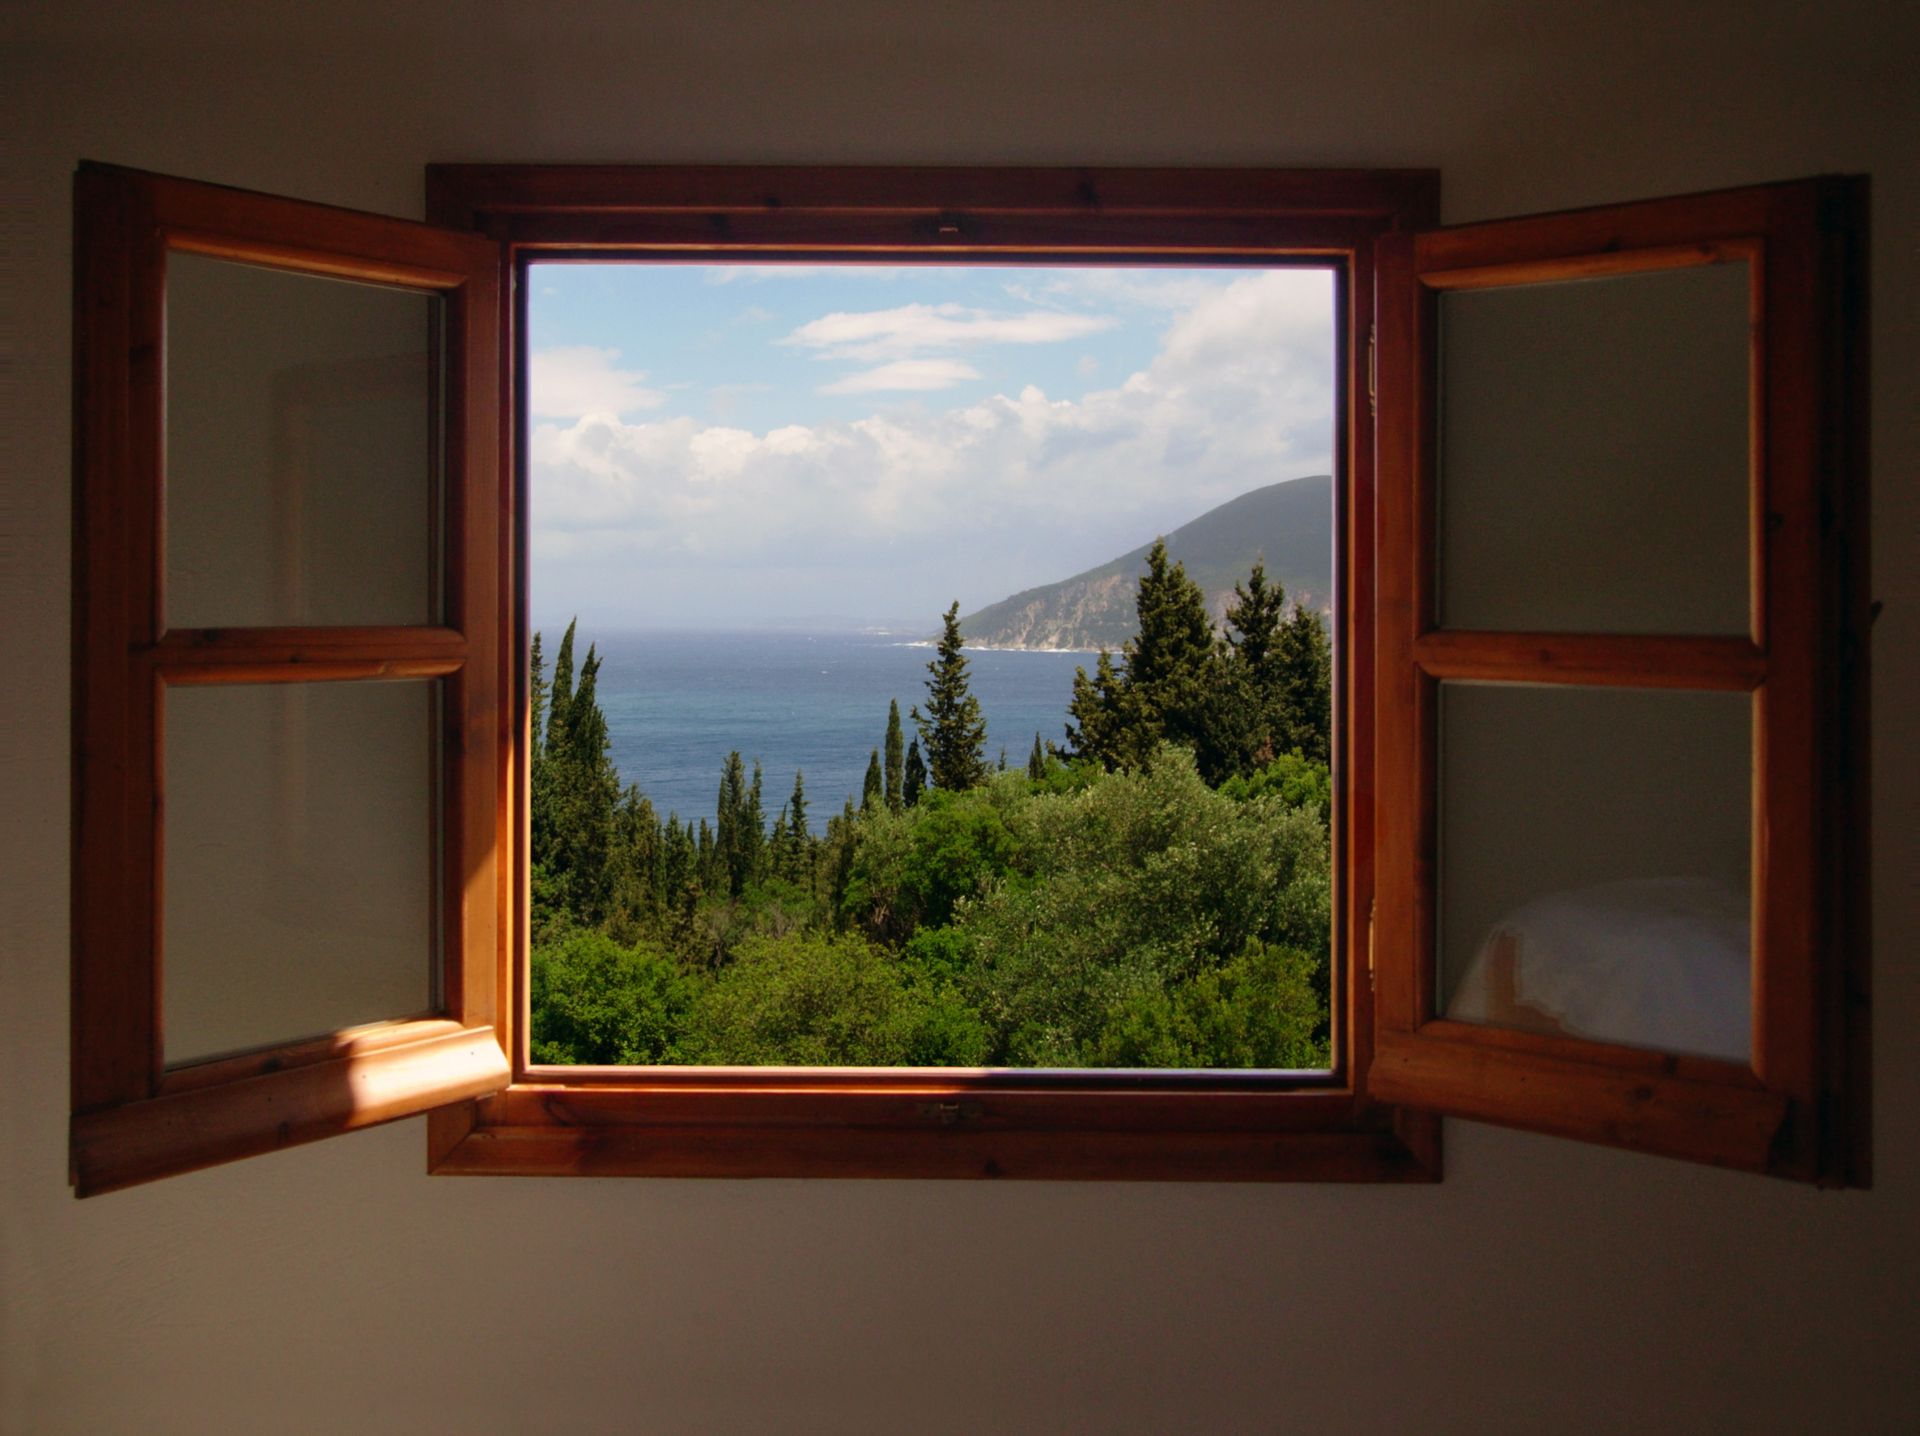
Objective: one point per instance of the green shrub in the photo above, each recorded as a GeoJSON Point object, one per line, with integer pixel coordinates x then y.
{"type": "Point", "coordinates": [594, 1001]}
{"type": "Point", "coordinates": [1262, 1009]}
{"type": "Point", "coordinates": [816, 999]}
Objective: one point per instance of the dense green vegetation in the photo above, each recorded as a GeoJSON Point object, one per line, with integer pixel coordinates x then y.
{"type": "Point", "coordinates": [1153, 893]}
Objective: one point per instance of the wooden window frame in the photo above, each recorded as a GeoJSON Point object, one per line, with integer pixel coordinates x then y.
{"type": "Point", "coordinates": [946, 1122]}
{"type": "Point", "coordinates": [134, 1117]}
{"type": "Point", "coordinates": [1799, 1108]}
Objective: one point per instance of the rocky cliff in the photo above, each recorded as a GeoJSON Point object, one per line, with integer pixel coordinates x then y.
{"type": "Point", "coordinates": [1288, 524]}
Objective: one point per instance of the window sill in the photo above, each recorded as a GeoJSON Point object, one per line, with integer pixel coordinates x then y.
{"type": "Point", "coordinates": [945, 1128]}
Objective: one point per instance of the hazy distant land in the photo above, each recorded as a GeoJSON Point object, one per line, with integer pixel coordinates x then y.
{"type": "Point", "coordinates": [1288, 524]}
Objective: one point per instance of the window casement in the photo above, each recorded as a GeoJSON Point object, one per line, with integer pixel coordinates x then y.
{"type": "Point", "coordinates": [1445, 643]}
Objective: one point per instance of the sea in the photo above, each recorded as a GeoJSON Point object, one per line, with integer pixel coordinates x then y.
{"type": "Point", "coordinates": [678, 703]}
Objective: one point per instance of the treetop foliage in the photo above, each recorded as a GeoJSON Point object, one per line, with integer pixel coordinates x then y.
{"type": "Point", "coordinates": [953, 730]}
{"type": "Point", "coordinates": [1157, 893]}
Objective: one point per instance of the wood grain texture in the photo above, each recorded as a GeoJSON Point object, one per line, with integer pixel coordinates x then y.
{"type": "Point", "coordinates": [1598, 659]}
{"type": "Point", "coordinates": [134, 1121]}
{"type": "Point", "coordinates": [715, 1123]}
{"type": "Point", "coordinates": [730, 1151]}
{"type": "Point", "coordinates": [183, 1131]}
{"type": "Point", "coordinates": [115, 991]}
{"type": "Point", "coordinates": [468, 194]}
{"type": "Point", "coordinates": [1726, 1125]}
{"type": "Point", "coordinates": [1794, 1115]}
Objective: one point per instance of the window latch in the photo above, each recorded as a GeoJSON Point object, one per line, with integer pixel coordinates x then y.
{"type": "Point", "coordinates": [950, 1114]}
{"type": "Point", "coordinates": [1373, 371]}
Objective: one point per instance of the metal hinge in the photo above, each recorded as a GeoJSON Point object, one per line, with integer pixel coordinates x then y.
{"type": "Point", "coordinates": [1372, 907]}
{"type": "Point", "coordinates": [1373, 371]}
{"type": "Point", "coordinates": [949, 1114]}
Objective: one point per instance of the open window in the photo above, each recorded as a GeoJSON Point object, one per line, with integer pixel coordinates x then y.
{"type": "Point", "coordinates": [1623, 638]}
{"type": "Point", "coordinates": [288, 749]}
{"type": "Point", "coordinates": [300, 560]}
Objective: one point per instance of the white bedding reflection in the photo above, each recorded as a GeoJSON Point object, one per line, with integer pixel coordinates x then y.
{"type": "Point", "coordinates": [1660, 963]}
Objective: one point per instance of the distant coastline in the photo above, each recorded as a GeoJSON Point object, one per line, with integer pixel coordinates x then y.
{"type": "Point", "coordinates": [973, 647]}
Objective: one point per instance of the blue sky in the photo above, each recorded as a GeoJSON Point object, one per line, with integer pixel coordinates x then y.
{"type": "Point", "coordinates": [762, 446]}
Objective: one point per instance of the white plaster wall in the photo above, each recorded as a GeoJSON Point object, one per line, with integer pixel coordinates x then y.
{"type": "Point", "coordinates": [1543, 1286]}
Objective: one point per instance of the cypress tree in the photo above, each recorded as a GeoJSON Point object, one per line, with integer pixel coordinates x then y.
{"type": "Point", "coordinates": [573, 818]}
{"type": "Point", "coordinates": [536, 700]}
{"type": "Point", "coordinates": [1169, 662]}
{"type": "Point", "coordinates": [797, 807]}
{"type": "Point", "coordinates": [754, 831]}
{"type": "Point", "coordinates": [1097, 713]}
{"type": "Point", "coordinates": [871, 790]}
{"type": "Point", "coordinates": [730, 822]}
{"type": "Point", "coordinates": [636, 892]}
{"type": "Point", "coordinates": [678, 861]}
{"type": "Point", "coordinates": [561, 693]}
{"type": "Point", "coordinates": [1253, 626]}
{"type": "Point", "coordinates": [915, 781]}
{"type": "Point", "coordinates": [799, 840]}
{"type": "Point", "coordinates": [549, 744]}
{"type": "Point", "coordinates": [952, 729]}
{"type": "Point", "coordinates": [1037, 760]}
{"type": "Point", "coordinates": [895, 755]}
{"type": "Point", "coordinates": [1305, 670]}
{"type": "Point", "coordinates": [705, 861]}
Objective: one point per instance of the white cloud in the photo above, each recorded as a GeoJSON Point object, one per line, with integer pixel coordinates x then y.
{"type": "Point", "coordinates": [905, 374]}
{"type": "Point", "coordinates": [571, 383]}
{"type": "Point", "coordinates": [878, 335]}
{"type": "Point", "coordinates": [904, 510]}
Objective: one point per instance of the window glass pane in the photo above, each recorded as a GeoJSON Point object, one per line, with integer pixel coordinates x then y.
{"type": "Point", "coordinates": [1595, 867]}
{"type": "Point", "coordinates": [299, 879]}
{"type": "Point", "coordinates": [1594, 455]}
{"type": "Point", "coordinates": [818, 556]}
{"type": "Point", "coordinates": [302, 441]}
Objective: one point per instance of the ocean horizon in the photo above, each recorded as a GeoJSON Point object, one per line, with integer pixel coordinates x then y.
{"type": "Point", "coordinates": [678, 701]}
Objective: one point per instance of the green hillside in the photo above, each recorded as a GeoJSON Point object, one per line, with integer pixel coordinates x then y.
{"type": "Point", "coordinates": [1289, 524]}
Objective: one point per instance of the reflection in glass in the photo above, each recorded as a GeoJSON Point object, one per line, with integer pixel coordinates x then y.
{"type": "Point", "coordinates": [1595, 864]}
{"type": "Point", "coordinates": [302, 440]}
{"type": "Point", "coordinates": [298, 895]}
{"type": "Point", "coordinates": [1594, 444]}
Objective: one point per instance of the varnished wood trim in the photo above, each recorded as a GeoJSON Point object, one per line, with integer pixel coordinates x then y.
{"type": "Point", "coordinates": [1674, 227]}
{"type": "Point", "coordinates": [295, 655]}
{"type": "Point", "coordinates": [1039, 216]}
{"type": "Point", "coordinates": [1609, 264]}
{"type": "Point", "coordinates": [239, 224]}
{"type": "Point", "coordinates": [1791, 1115]}
{"type": "Point", "coordinates": [616, 213]}
{"type": "Point", "coordinates": [1725, 1125]}
{"type": "Point", "coordinates": [349, 1042]}
{"type": "Point", "coordinates": [138, 1142]}
{"type": "Point", "coordinates": [134, 1121]}
{"type": "Point", "coordinates": [1623, 660]}
{"type": "Point", "coordinates": [115, 993]}
{"type": "Point", "coordinates": [1846, 1059]}
{"type": "Point", "coordinates": [1589, 1052]}
{"type": "Point", "coordinates": [292, 253]}
{"type": "Point", "coordinates": [777, 1098]}
{"type": "Point", "coordinates": [947, 1153]}
{"type": "Point", "coordinates": [1403, 800]}
{"type": "Point", "coordinates": [455, 190]}
{"type": "Point", "coordinates": [476, 739]}
{"type": "Point", "coordinates": [909, 239]}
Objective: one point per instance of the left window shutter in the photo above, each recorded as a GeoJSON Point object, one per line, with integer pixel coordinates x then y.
{"type": "Point", "coordinates": [288, 668]}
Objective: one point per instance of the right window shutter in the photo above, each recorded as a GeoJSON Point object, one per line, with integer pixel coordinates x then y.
{"type": "Point", "coordinates": [1622, 685]}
